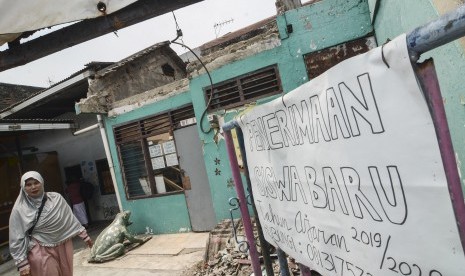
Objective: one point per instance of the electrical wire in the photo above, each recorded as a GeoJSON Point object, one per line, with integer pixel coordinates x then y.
{"type": "Point", "coordinates": [178, 29]}
{"type": "Point", "coordinates": [179, 36]}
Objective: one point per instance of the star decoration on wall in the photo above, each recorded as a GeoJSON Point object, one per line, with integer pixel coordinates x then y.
{"type": "Point", "coordinates": [217, 161]}
{"type": "Point", "coordinates": [230, 183]}
{"type": "Point", "coordinates": [217, 171]}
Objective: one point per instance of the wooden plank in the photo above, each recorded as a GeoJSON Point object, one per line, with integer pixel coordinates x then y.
{"type": "Point", "coordinates": [87, 30]}
{"type": "Point", "coordinates": [172, 184]}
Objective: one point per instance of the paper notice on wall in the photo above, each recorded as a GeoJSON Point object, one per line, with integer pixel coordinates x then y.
{"type": "Point", "coordinates": [155, 150]}
{"type": "Point", "coordinates": [158, 163]}
{"type": "Point", "coordinates": [169, 147]}
{"type": "Point", "coordinates": [347, 175]}
{"type": "Point", "coordinates": [171, 159]}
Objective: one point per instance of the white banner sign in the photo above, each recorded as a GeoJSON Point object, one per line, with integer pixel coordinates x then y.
{"type": "Point", "coordinates": [48, 13]}
{"type": "Point", "coordinates": [347, 175]}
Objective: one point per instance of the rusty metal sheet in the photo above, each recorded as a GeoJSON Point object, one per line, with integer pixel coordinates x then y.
{"type": "Point", "coordinates": [320, 61]}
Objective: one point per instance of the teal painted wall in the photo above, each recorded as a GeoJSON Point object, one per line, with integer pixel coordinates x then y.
{"type": "Point", "coordinates": [395, 17]}
{"type": "Point", "coordinates": [163, 214]}
{"type": "Point", "coordinates": [315, 27]}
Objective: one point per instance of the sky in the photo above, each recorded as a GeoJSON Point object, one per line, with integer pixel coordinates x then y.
{"type": "Point", "coordinates": [197, 22]}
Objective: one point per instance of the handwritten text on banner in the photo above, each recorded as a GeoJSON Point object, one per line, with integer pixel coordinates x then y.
{"type": "Point", "coordinates": [347, 174]}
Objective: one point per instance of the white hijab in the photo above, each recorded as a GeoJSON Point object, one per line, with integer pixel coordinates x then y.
{"type": "Point", "coordinates": [55, 225]}
{"type": "Point", "coordinates": [31, 174]}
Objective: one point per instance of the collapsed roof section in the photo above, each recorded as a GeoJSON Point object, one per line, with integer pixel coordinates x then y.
{"type": "Point", "coordinates": [258, 37]}
{"type": "Point", "coordinates": [152, 67]}
{"type": "Point", "coordinates": [146, 77]}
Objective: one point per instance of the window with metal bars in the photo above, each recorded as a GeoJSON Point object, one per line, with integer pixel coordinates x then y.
{"type": "Point", "coordinates": [148, 156]}
{"type": "Point", "coordinates": [244, 89]}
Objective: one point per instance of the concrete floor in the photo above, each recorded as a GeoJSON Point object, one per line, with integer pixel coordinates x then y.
{"type": "Point", "coordinates": [167, 254]}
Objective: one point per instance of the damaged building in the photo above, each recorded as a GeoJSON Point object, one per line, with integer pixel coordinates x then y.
{"type": "Point", "coordinates": [160, 113]}
{"type": "Point", "coordinates": [163, 122]}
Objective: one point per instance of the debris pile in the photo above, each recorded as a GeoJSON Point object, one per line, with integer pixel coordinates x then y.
{"type": "Point", "coordinates": [227, 256]}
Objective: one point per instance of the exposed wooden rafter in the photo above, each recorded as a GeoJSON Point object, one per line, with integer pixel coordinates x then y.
{"type": "Point", "coordinates": [86, 30]}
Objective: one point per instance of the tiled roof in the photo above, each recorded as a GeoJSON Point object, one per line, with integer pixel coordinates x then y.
{"type": "Point", "coordinates": [13, 93]}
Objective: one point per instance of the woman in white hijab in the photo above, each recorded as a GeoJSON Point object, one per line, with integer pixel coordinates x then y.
{"type": "Point", "coordinates": [40, 242]}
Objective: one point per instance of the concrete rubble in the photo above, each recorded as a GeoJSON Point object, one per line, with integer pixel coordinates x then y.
{"type": "Point", "coordinates": [224, 256]}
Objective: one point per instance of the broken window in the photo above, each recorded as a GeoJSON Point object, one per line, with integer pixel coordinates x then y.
{"type": "Point", "coordinates": [104, 177]}
{"type": "Point", "coordinates": [147, 152]}
{"type": "Point", "coordinates": [244, 89]}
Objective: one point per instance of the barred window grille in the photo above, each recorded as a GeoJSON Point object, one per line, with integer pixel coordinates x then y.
{"type": "Point", "coordinates": [183, 117]}
{"type": "Point", "coordinates": [144, 156]}
{"type": "Point", "coordinates": [134, 168]}
{"type": "Point", "coordinates": [244, 89]}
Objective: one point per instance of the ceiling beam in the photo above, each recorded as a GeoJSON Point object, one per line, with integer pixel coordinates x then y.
{"type": "Point", "coordinates": [87, 30]}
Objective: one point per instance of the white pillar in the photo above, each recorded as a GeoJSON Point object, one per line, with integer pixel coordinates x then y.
{"type": "Point", "coordinates": [109, 159]}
